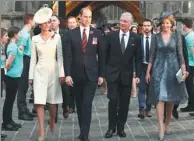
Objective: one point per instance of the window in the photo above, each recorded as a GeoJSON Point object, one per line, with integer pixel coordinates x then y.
{"type": "Point", "coordinates": [186, 7]}
{"type": "Point", "coordinates": [18, 6]}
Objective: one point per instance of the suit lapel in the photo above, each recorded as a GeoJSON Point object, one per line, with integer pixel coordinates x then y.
{"type": "Point", "coordinates": [142, 44]}
{"type": "Point", "coordinates": [90, 38]}
{"type": "Point", "coordinates": [61, 33]}
{"type": "Point", "coordinates": [129, 40]}
{"type": "Point", "coordinates": [78, 34]}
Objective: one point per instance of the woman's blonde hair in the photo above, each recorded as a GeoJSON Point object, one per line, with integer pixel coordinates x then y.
{"type": "Point", "coordinates": [170, 18]}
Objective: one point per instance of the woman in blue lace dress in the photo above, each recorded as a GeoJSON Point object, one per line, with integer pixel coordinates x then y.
{"type": "Point", "coordinates": [165, 60]}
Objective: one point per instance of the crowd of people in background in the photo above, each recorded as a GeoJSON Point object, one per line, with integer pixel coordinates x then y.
{"type": "Point", "coordinates": [65, 66]}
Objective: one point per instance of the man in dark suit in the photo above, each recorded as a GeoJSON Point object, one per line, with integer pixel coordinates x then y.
{"type": "Point", "coordinates": [55, 28]}
{"type": "Point", "coordinates": [146, 39]}
{"type": "Point", "coordinates": [122, 48]}
{"type": "Point", "coordinates": [83, 68]}
{"type": "Point", "coordinates": [71, 24]}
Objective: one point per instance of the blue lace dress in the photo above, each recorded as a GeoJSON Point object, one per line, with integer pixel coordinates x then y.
{"type": "Point", "coordinates": [166, 60]}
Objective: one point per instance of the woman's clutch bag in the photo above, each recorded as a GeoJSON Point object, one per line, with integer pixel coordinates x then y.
{"type": "Point", "coordinates": [179, 76]}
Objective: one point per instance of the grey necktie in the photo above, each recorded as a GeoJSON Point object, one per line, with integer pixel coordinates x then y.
{"type": "Point", "coordinates": [123, 43]}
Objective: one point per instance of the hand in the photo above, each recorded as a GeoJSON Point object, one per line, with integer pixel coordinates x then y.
{"type": "Point", "coordinates": [134, 74]}
{"type": "Point", "coordinates": [100, 81]}
{"type": "Point", "coordinates": [30, 81]}
{"type": "Point", "coordinates": [62, 80]}
{"type": "Point", "coordinates": [69, 81]}
{"type": "Point", "coordinates": [148, 78]}
{"type": "Point", "coordinates": [137, 80]}
{"type": "Point", "coordinates": [185, 75]}
{"type": "Point", "coordinates": [21, 48]}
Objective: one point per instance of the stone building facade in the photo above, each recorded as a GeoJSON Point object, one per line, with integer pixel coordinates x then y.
{"type": "Point", "coordinates": [150, 9]}
{"type": "Point", "coordinates": [13, 11]}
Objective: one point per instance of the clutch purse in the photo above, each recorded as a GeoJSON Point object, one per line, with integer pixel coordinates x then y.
{"type": "Point", "coordinates": [179, 76]}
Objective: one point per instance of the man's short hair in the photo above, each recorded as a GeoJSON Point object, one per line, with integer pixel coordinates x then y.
{"type": "Point", "coordinates": [128, 15]}
{"type": "Point", "coordinates": [28, 17]}
{"type": "Point", "coordinates": [82, 10]}
{"type": "Point", "coordinates": [187, 22]}
{"type": "Point", "coordinates": [71, 17]}
{"type": "Point", "coordinates": [147, 20]}
{"type": "Point", "coordinates": [55, 16]}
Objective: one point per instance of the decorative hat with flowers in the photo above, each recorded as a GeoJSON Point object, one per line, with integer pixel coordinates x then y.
{"type": "Point", "coordinates": [43, 15]}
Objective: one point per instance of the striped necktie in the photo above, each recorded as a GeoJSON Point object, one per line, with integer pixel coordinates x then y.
{"type": "Point", "coordinates": [84, 41]}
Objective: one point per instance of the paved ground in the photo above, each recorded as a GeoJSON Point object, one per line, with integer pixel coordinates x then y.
{"type": "Point", "coordinates": [136, 129]}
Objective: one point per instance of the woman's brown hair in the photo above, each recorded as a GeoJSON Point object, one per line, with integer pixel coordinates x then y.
{"type": "Point", "coordinates": [3, 31]}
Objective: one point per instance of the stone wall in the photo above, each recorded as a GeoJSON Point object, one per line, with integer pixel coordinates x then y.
{"type": "Point", "coordinates": [153, 9]}
{"type": "Point", "coordinates": [14, 11]}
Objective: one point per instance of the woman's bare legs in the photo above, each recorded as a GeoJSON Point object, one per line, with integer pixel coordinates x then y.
{"type": "Point", "coordinates": [52, 112]}
{"type": "Point", "coordinates": [160, 116]}
{"type": "Point", "coordinates": [40, 116]}
{"type": "Point", "coordinates": [169, 108]}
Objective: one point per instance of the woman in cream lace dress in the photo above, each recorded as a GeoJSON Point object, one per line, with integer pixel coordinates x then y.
{"type": "Point", "coordinates": [46, 71]}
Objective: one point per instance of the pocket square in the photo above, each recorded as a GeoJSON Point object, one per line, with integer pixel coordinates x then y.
{"type": "Point", "coordinates": [132, 44]}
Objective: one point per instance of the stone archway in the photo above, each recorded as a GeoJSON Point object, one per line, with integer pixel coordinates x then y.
{"type": "Point", "coordinates": [73, 8]}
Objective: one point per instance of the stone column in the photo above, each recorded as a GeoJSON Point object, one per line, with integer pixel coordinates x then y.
{"type": "Point", "coordinates": [62, 9]}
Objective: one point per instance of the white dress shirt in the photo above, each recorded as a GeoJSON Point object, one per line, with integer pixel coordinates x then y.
{"type": "Point", "coordinates": [126, 37]}
{"type": "Point", "coordinates": [87, 31]}
{"type": "Point", "coordinates": [144, 47]}
{"type": "Point", "coordinates": [57, 31]}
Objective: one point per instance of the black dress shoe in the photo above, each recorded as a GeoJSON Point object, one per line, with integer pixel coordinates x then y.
{"type": "Point", "coordinates": [65, 114]}
{"type": "Point", "coordinates": [175, 114]}
{"type": "Point", "coordinates": [16, 124]}
{"type": "Point", "coordinates": [141, 114]}
{"type": "Point", "coordinates": [31, 114]}
{"type": "Point", "coordinates": [84, 139]}
{"type": "Point", "coordinates": [25, 117]}
{"type": "Point", "coordinates": [191, 114]}
{"type": "Point", "coordinates": [109, 133]}
{"type": "Point", "coordinates": [187, 109]}
{"type": "Point", "coordinates": [121, 133]}
{"type": "Point", "coordinates": [3, 136]}
{"type": "Point", "coordinates": [9, 127]}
